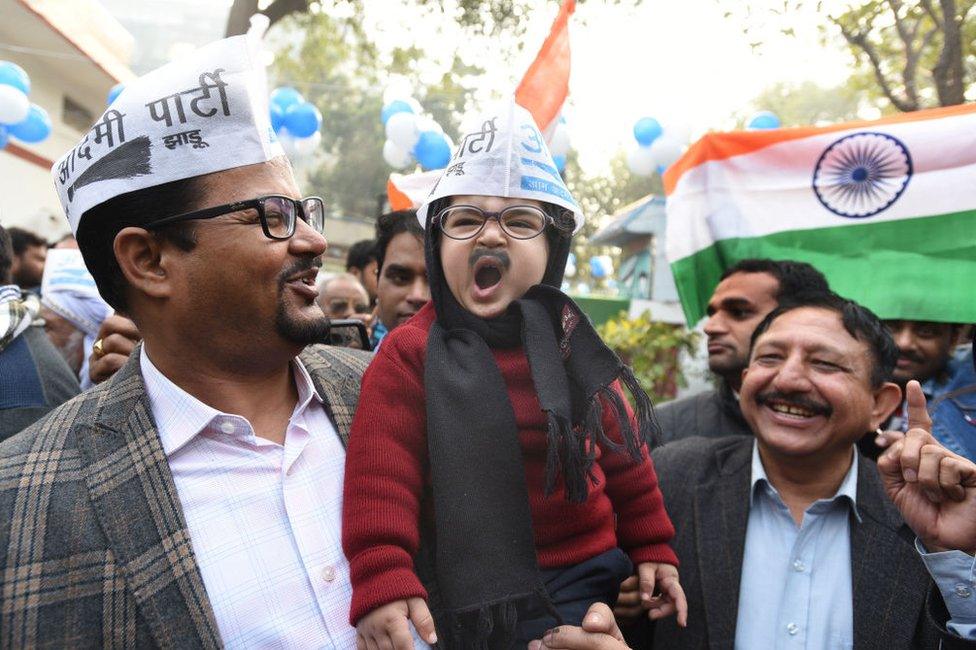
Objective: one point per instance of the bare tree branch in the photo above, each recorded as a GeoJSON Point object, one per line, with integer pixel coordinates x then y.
{"type": "Point", "coordinates": [238, 20]}
{"type": "Point", "coordinates": [948, 72]}
{"type": "Point", "coordinates": [860, 41]}
{"type": "Point", "coordinates": [930, 10]}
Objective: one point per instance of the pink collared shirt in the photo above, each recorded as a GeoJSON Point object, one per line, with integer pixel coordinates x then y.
{"type": "Point", "coordinates": [264, 519]}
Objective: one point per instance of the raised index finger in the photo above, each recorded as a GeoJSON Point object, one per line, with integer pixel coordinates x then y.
{"type": "Point", "coordinates": [918, 414]}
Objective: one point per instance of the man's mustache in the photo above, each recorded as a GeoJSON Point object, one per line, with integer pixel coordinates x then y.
{"type": "Point", "coordinates": [914, 357]}
{"type": "Point", "coordinates": [502, 256]}
{"type": "Point", "coordinates": [794, 399]}
{"type": "Point", "coordinates": [302, 265]}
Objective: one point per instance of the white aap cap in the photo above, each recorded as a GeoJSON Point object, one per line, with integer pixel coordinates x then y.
{"type": "Point", "coordinates": [203, 113]}
{"type": "Point", "coordinates": [505, 156]}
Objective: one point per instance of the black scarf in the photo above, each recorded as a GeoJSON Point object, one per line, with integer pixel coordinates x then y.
{"type": "Point", "coordinates": [484, 559]}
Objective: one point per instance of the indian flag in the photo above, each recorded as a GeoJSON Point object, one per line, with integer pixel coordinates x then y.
{"type": "Point", "coordinates": [886, 209]}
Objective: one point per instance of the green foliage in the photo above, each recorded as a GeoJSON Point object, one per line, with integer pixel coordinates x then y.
{"type": "Point", "coordinates": [651, 349]}
{"type": "Point", "coordinates": [807, 103]}
{"type": "Point", "coordinates": [917, 53]}
{"type": "Point", "coordinates": [909, 54]}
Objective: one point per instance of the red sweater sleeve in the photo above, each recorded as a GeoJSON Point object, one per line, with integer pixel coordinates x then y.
{"type": "Point", "coordinates": [643, 526]}
{"type": "Point", "coordinates": [386, 465]}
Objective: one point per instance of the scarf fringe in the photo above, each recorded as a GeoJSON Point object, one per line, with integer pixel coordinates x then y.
{"type": "Point", "coordinates": [572, 451]}
{"type": "Point", "coordinates": [473, 629]}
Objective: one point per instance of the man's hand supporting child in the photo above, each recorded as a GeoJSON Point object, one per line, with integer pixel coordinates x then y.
{"type": "Point", "coordinates": [389, 626]}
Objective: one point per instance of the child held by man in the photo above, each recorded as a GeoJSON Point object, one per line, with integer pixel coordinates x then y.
{"type": "Point", "coordinates": [497, 481]}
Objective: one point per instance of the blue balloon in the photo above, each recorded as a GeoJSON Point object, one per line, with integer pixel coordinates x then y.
{"type": "Point", "coordinates": [394, 107]}
{"type": "Point", "coordinates": [303, 120]}
{"type": "Point", "coordinates": [661, 169]}
{"type": "Point", "coordinates": [114, 92]}
{"type": "Point", "coordinates": [286, 97]}
{"type": "Point", "coordinates": [571, 259]}
{"type": "Point", "coordinates": [560, 163]}
{"type": "Point", "coordinates": [277, 117]}
{"type": "Point", "coordinates": [35, 128]}
{"type": "Point", "coordinates": [764, 120]}
{"type": "Point", "coordinates": [4, 136]}
{"type": "Point", "coordinates": [647, 130]}
{"type": "Point", "coordinates": [432, 150]}
{"type": "Point", "coordinates": [12, 74]}
{"type": "Point", "coordinates": [596, 268]}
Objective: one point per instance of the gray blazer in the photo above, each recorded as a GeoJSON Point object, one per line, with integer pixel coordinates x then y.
{"type": "Point", "coordinates": [94, 548]}
{"type": "Point", "coordinates": [710, 414]}
{"type": "Point", "coordinates": [705, 483]}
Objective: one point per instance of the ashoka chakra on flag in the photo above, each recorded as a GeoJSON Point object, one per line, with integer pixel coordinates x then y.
{"type": "Point", "coordinates": [861, 174]}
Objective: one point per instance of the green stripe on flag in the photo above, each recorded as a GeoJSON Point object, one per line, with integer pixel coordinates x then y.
{"type": "Point", "coordinates": [920, 269]}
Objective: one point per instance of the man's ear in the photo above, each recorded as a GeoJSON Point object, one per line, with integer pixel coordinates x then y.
{"type": "Point", "coordinates": [141, 257]}
{"type": "Point", "coordinates": [887, 397]}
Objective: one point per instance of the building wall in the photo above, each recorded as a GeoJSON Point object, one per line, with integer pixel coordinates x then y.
{"type": "Point", "coordinates": [55, 42]}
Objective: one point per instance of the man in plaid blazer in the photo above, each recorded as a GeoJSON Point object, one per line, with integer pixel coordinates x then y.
{"type": "Point", "coordinates": [194, 500]}
{"type": "Point", "coordinates": [94, 547]}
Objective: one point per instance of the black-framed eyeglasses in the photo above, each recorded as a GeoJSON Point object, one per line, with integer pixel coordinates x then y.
{"type": "Point", "coordinates": [278, 214]}
{"type": "Point", "coordinates": [516, 221]}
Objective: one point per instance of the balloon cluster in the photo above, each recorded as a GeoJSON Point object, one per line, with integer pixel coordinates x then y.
{"type": "Point", "coordinates": [18, 117]}
{"type": "Point", "coordinates": [411, 137]}
{"type": "Point", "coordinates": [296, 122]}
{"type": "Point", "coordinates": [658, 146]}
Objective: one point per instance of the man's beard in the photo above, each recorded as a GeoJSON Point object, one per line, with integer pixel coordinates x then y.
{"type": "Point", "coordinates": [303, 331]}
{"type": "Point", "coordinates": [729, 369]}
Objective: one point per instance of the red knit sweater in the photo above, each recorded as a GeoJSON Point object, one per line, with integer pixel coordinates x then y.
{"type": "Point", "coordinates": [387, 472]}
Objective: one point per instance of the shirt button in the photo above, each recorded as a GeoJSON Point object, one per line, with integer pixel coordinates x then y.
{"type": "Point", "coordinates": [963, 591]}
{"type": "Point", "coordinates": [798, 566]}
{"type": "Point", "coordinates": [329, 573]}
{"type": "Point", "coordinates": [226, 427]}
{"type": "Point", "coordinates": [792, 628]}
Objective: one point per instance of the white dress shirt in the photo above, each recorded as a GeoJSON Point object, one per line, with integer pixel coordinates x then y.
{"type": "Point", "coordinates": [264, 519]}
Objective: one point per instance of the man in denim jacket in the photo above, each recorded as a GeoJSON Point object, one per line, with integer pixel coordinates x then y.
{"type": "Point", "coordinates": [948, 378]}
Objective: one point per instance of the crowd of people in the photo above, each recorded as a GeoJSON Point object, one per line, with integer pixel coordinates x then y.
{"type": "Point", "coordinates": [192, 457]}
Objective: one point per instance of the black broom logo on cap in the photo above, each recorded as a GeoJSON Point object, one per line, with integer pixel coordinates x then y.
{"type": "Point", "coordinates": [127, 160]}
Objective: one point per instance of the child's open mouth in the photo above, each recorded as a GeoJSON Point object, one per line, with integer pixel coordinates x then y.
{"type": "Point", "coordinates": [487, 274]}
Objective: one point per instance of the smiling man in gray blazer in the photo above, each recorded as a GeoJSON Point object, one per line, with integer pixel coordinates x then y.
{"type": "Point", "coordinates": [791, 539]}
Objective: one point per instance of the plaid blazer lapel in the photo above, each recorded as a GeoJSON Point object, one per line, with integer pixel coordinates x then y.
{"type": "Point", "coordinates": [337, 374]}
{"type": "Point", "coordinates": [133, 494]}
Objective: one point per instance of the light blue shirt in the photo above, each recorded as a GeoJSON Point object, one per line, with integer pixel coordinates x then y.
{"type": "Point", "coordinates": [795, 589]}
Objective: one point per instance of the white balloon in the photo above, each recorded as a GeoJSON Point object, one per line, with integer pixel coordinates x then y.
{"type": "Point", "coordinates": [641, 161]}
{"type": "Point", "coordinates": [559, 145]}
{"type": "Point", "coordinates": [14, 105]}
{"type": "Point", "coordinates": [666, 150]}
{"type": "Point", "coordinates": [570, 270]}
{"type": "Point", "coordinates": [678, 131]}
{"type": "Point", "coordinates": [288, 143]}
{"type": "Point", "coordinates": [305, 147]}
{"type": "Point", "coordinates": [427, 123]}
{"type": "Point", "coordinates": [403, 130]}
{"type": "Point", "coordinates": [399, 87]}
{"type": "Point", "coordinates": [395, 156]}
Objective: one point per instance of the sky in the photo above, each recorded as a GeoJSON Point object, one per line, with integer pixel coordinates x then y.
{"type": "Point", "coordinates": [680, 61]}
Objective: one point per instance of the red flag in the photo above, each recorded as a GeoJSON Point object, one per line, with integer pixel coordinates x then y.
{"type": "Point", "coordinates": [544, 87]}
